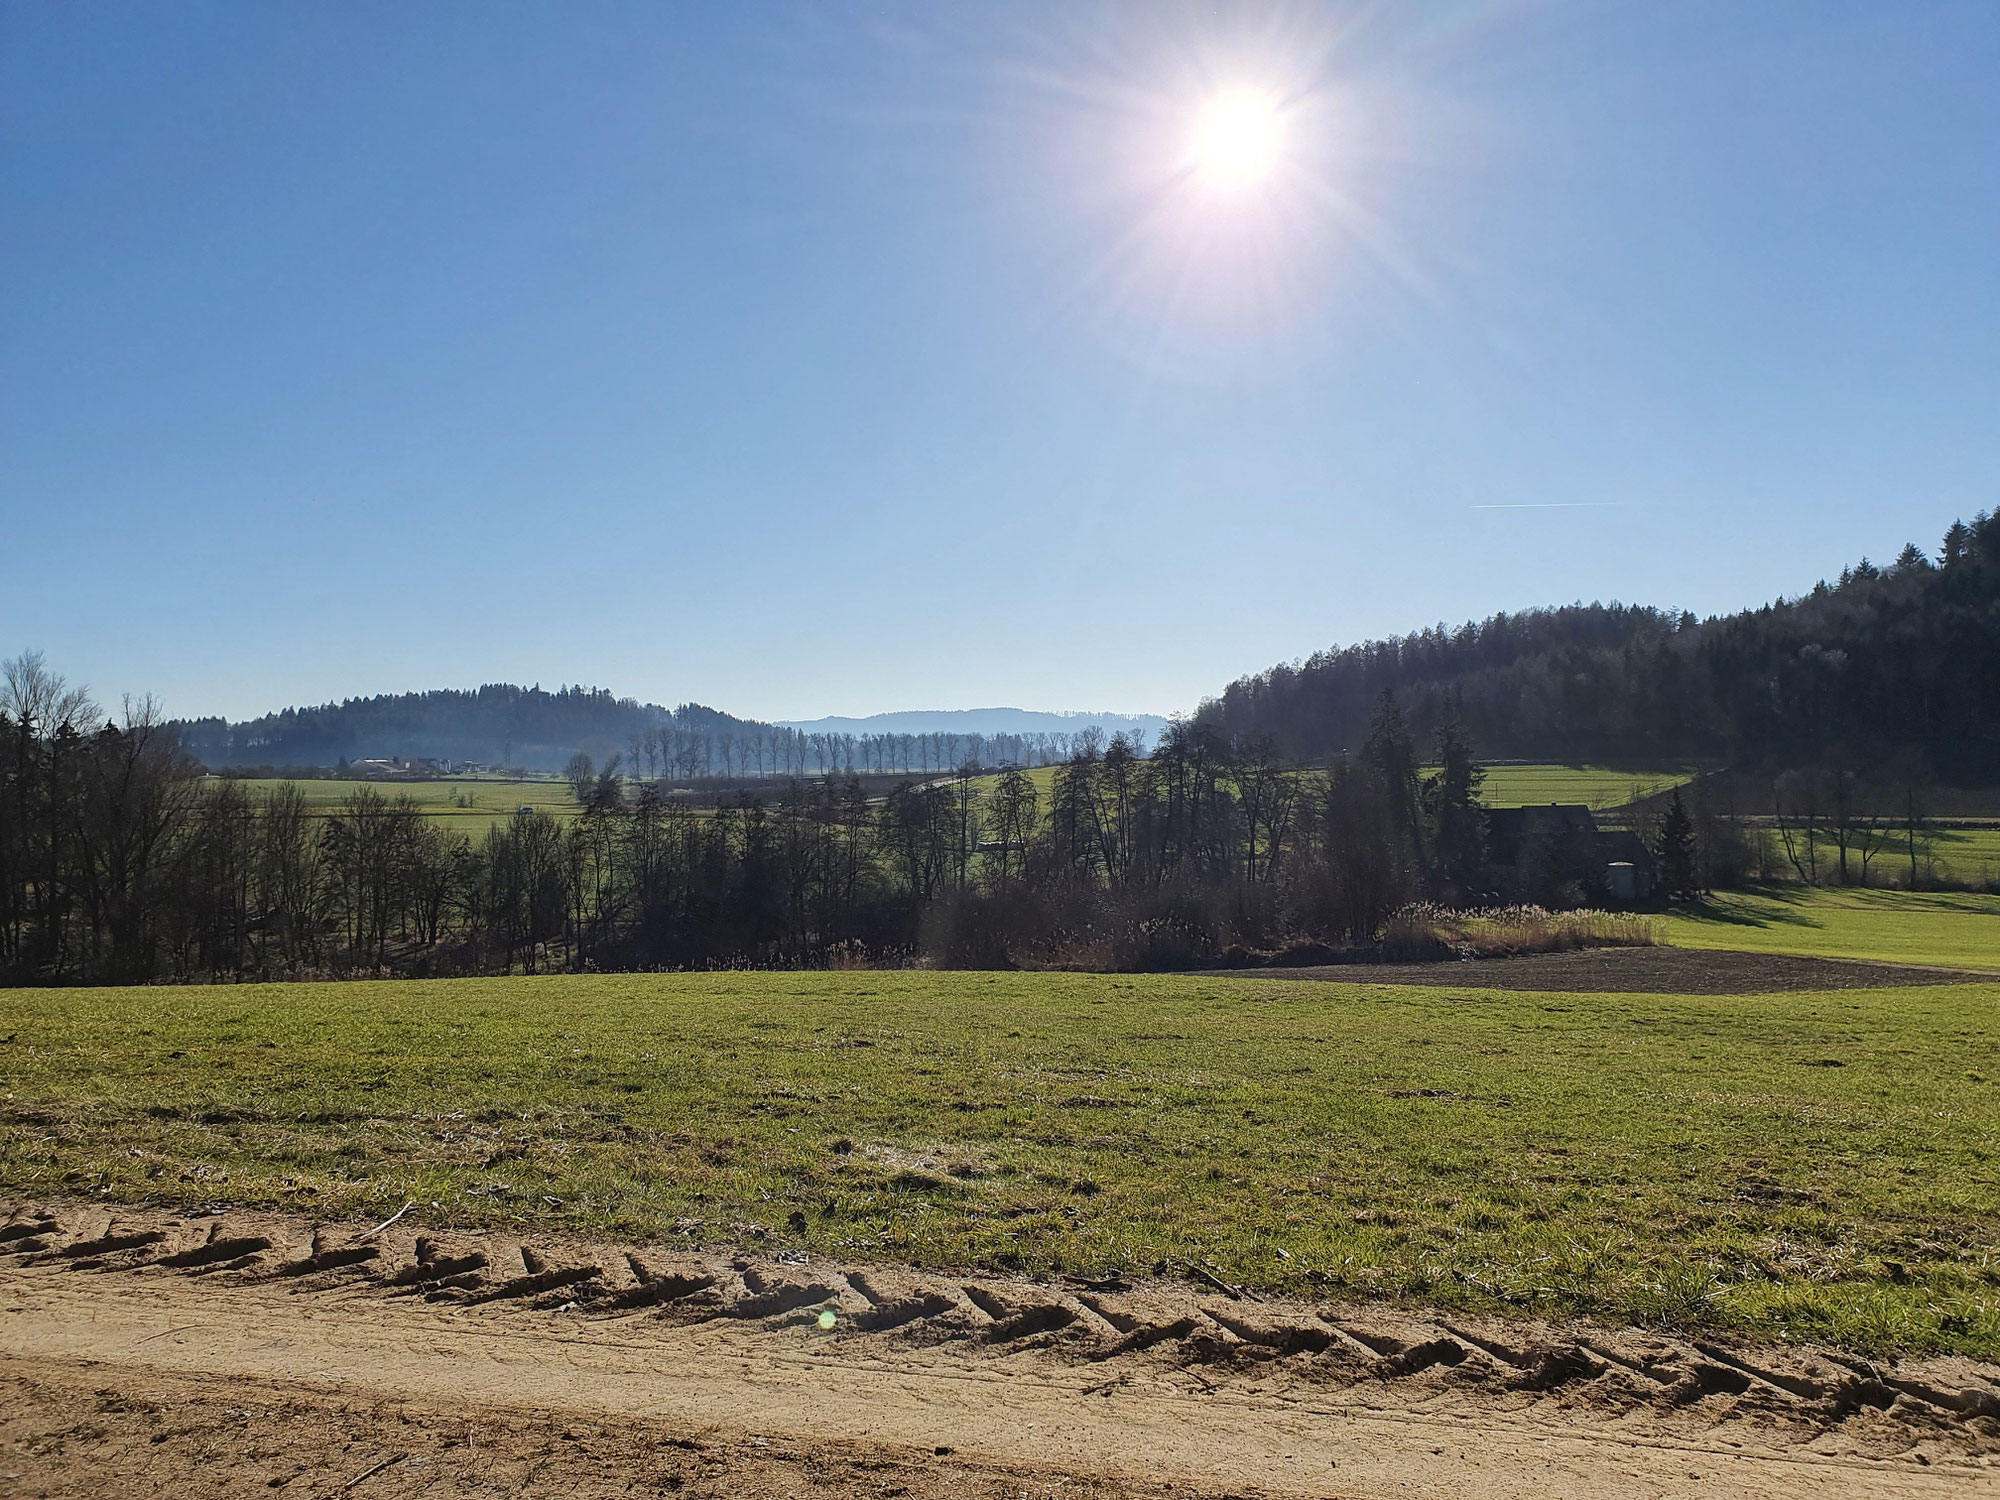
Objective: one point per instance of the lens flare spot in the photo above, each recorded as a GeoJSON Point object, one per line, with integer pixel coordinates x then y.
{"type": "Point", "coordinates": [827, 1318]}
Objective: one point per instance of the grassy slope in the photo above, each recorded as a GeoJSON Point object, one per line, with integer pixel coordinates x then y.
{"type": "Point", "coordinates": [1656, 1157]}
{"type": "Point", "coordinates": [1899, 926]}
{"type": "Point", "coordinates": [1594, 786]}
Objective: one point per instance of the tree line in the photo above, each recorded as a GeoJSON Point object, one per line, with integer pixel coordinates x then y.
{"type": "Point", "coordinates": [678, 756]}
{"type": "Point", "coordinates": [121, 862]}
{"type": "Point", "coordinates": [1902, 659]}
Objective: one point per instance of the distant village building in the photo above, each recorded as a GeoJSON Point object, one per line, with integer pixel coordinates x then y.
{"type": "Point", "coordinates": [1512, 832]}
{"type": "Point", "coordinates": [1534, 848]}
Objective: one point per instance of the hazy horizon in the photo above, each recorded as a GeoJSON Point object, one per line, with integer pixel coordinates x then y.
{"type": "Point", "coordinates": [996, 720]}
{"type": "Point", "coordinates": [1001, 718]}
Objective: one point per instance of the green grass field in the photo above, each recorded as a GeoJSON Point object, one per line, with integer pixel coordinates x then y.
{"type": "Point", "coordinates": [1967, 853]}
{"type": "Point", "coordinates": [465, 804]}
{"type": "Point", "coordinates": [1921, 927]}
{"type": "Point", "coordinates": [1593, 786]}
{"type": "Point", "coordinates": [1821, 1164]}
{"type": "Point", "coordinates": [472, 804]}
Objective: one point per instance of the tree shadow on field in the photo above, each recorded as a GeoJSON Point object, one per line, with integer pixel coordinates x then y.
{"type": "Point", "coordinates": [1973, 902]}
{"type": "Point", "coordinates": [1727, 912]}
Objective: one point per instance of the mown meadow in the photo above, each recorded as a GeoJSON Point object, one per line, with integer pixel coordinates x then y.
{"type": "Point", "coordinates": [1596, 787]}
{"type": "Point", "coordinates": [1913, 927]}
{"type": "Point", "coordinates": [1821, 1165]}
{"type": "Point", "coordinates": [463, 804]}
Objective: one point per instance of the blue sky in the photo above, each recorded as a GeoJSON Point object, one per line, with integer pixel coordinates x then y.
{"type": "Point", "coordinates": [838, 359]}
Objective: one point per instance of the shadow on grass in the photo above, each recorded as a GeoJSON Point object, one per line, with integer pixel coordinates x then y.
{"type": "Point", "coordinates": [1791, 906]}
{"type": "Point", "coordinates": [1887, 898]}
{"type": "Point", "coordinates": [1726, 911]}
{"type": "Point", "coordinates": [1977, 903]}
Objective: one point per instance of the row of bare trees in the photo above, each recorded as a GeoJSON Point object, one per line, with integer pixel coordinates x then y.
{"type": "Point", "coordinates": [1839, 823]}
{"type": "Point", "coordinates": [673, 754]}
{"type": "Point", "coordinates": [88, 830]}
{"type": "Point", "coordinates": [120, 861]}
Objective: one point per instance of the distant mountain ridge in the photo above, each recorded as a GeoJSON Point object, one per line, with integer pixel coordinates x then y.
{"type": "Point", "coordinates": [533, 729]}
{"type": "Point", "coordinates": [984, 721]}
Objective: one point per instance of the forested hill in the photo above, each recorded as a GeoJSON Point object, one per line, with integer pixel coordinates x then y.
{"type": "Point", "coordinates": [1888, 659]}
{"type": "Point", "coordinates": [498, 724]}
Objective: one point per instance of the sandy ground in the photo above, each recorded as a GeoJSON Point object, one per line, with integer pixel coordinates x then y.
{"type": "Point", "coordinates": [142, 1353]}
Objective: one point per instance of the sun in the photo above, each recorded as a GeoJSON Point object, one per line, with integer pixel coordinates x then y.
{"type": "Point", "coordinates": [1236, 138]}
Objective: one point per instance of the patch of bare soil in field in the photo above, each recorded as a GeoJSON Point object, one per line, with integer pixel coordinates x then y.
{"type": "Point", "coordinates": [238, 1353]}
{"type": "Point", "coordinates": [1641, 971]}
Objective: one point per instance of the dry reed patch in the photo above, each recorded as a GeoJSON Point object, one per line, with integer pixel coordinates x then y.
{"type": "Point", "coordinates": [1424, 931]}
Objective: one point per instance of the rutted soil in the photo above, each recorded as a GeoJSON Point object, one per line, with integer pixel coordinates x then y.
{"type": "Point", "coordinates": [246, 1351]}
{"type": "Point", "coordinates": [1642, 971]}
{"type": "Point", "coordinates": [74, 1430]}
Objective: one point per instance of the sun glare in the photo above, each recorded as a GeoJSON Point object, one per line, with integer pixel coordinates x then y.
{"type": "Point", "coordinates": [1236, 138]}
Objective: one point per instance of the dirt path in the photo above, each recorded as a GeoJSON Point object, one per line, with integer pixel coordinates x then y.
{"type": "Point", "coordinates": [143, 1353]}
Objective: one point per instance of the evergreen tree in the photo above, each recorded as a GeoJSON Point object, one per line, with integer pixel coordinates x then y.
{"type": "Point", "coordinates": [1675, 847]}
{"type": "Point", "coordinates": [1457, 818]}
{"type": "Point", "coordinates": [1956, 541]}
{"type": "Point", "coordinates": [1391, 752]}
